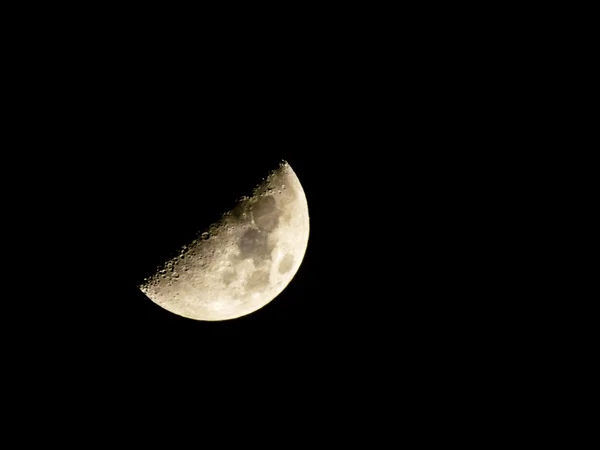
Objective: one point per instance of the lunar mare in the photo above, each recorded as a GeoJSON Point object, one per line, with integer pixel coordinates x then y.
{"type": "Point", "coordinates": [244, 261]}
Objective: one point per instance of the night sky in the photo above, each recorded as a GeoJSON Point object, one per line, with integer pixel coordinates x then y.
{"type": "Point", "coordinates": [364, 281]}
{"type": "Point", "coordinates": [382, 218]}
{"type": "Point", "coordinates": [393, 199]}
{"type": "Point", "coordinates": [133, 136]}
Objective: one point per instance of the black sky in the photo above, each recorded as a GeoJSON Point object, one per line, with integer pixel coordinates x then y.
{"type": "Point", "coordinates": [364, 284]}
{"type": "Point", "coordinates": [145, 176]}
{"type": "Point", "coordinates": [404, 129]}
{"type": "Point", "coordinates": [143, 154]}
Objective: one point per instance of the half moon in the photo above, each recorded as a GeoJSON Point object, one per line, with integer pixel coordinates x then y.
{"type": "Point", "coordinates": [244, 260]}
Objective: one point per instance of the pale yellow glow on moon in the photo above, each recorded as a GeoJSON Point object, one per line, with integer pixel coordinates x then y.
{"type": "Point", "coordinates": [245, 260]}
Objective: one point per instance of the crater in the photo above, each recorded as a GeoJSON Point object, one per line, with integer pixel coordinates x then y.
{"type": "Point", "coordinates": [286, 264]}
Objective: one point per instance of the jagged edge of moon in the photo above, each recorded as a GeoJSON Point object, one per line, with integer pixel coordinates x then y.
{"type": "Point", "coordinates": [169, 267]}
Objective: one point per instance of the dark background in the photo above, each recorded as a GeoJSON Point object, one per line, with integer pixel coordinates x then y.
{"type": "Point", "coordinates": [383, 276]}
{"type": "Point", "coordinates": [397, 135]}
{"type": "Point", "coordinates": [152, 151]}
{"type": "Point", "coordinates": [417, 135]}
{"type": "Point", "coordinates": [141, 180]}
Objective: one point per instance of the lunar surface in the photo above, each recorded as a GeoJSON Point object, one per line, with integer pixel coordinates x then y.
{"type": "Point", "coordinates": [243, 261]}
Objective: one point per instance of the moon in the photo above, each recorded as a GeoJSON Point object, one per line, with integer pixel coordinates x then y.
{"type": "Point", "coordinates": [243, 261]}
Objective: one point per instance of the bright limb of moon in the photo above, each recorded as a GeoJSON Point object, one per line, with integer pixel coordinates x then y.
{"type": "Point", "coordinates": [244, 261]}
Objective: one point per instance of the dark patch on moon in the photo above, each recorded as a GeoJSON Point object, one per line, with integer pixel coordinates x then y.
{"type": "Point", "coordinates": [257, 280]}
{"type": "Point", "coordinates": [254, 244]}
{"type": "Point", "coordinates": [287, 217]}
{"type": "Point", "coordinates": [286, 264]}
{"type": "Point", "coordinates": [265, 213]}
{"type": "Point", "coordinates": [233, 258]}
{"type": "Point", "coordinates": [229, 276]}
{"type": "Point", "coordinates": [238, 211]}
